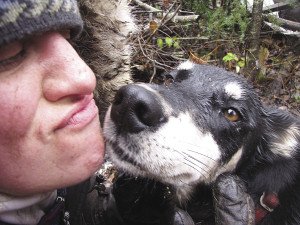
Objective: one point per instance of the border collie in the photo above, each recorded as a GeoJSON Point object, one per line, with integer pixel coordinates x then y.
{"type": "Point", "coordinates": [206, 122]}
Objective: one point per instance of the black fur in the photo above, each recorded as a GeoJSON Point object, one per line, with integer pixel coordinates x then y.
{"type": "Point", "coordinates": [269, 137]}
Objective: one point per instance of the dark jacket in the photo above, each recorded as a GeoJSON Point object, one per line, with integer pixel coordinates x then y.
{"type": "Point", "coordinates": [138, 201]}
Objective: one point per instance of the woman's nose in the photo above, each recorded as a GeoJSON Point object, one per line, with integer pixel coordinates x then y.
{"type": "Point", "coordinates": [65, 73]}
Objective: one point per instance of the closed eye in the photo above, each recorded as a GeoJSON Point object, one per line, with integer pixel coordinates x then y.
{"type": "Point", "coordinates": [11, 55]}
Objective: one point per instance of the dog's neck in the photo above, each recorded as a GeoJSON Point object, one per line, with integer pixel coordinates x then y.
{"type": "Point", "coordinates": [183, 193]}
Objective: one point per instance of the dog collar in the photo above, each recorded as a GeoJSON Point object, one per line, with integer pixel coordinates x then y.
{"type": "Point", "coordinates": [268, 202]}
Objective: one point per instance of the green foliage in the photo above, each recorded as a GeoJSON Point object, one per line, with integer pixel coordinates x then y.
{"type": "Point", "coordinates": [273, 19]}
{"type": "Point", "coordinates": [241, 63]}
{"type": "Point", "coordinates": [231, 58]}
{"type": "Point", "coordinates": [221, 21]}
{"type": "Point", "coordinates": [160, 43]}
{"type": "Point", "coordinates": [169, 42]}
{"type": "Point", "coordinates": [176, 43]}
{"type": "Point", "coordinates": [196, 5]}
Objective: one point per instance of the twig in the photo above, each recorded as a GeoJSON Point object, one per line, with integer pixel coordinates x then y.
{"type": "Point", "coordinates": [162, 22]}
{"type": "Point", "coordinates": [142, 50]}
{"type": "Point", "coordinates": [146, 6]}
{"type": "Point", "coordinates": [171, 15]}
{"type": "Point", "coordinates": [176, 18]}
{"type": "Point", "coordinates": [154, 72]}
{"type": "Point", "coordinates": [193, 38]}
{"type": "Point", "coordinates": [185, 18]}
{"type": "Point", "coordinates": [167, 14]}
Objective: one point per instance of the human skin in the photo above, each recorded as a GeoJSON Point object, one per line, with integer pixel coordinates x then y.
{"type": "Point", "coordinates": [50, 135]}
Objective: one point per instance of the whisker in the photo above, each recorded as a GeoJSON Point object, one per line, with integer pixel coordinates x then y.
{"type": "Point", "coordinates": [184, 154]}
{"type": "Point", "coordinates": [198, 162]}
{"type": "Point", "coordinates": [193, 145]}
{"type": "Point", "coordinates": [195, 169]}
{"type": "Point", "coordinates": [193, 164]}
{"type": "Point", "coordinates": [221, 166]}
{"type": "Point", "coordinates": [200, 154]}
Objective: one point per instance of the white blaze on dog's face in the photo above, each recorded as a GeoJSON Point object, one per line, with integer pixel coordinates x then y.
{"type": "Point", "coordinates": [185, 133]}
{"type": "Point", "coordinates": [234, 90]}
{"type": "Point", "coordinates": [177, 153]}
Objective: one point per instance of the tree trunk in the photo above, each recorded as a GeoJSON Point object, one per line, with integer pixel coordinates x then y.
{"type": "Point", "coordinates": [253, 40]}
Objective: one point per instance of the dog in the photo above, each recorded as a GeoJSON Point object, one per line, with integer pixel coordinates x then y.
{"type": "Point", "coordinates": [205, 122]}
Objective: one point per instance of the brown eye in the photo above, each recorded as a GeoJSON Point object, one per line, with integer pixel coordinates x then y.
{"type": "Point", "coordinates": [232, 115]}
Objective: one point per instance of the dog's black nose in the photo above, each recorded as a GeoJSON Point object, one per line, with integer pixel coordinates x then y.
{"type": "Point", "coordinates": [136, 108]}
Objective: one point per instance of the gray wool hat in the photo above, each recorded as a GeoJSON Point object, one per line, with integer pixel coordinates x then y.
{"type": "Point", "coordinates": [21, 18]}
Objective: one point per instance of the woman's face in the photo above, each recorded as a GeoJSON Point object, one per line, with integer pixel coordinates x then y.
{"type": "Point", "coordinates": [49, 127]}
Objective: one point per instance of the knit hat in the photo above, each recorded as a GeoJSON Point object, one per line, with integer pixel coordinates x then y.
{"type": "Point", "coordinates": [20, 18]}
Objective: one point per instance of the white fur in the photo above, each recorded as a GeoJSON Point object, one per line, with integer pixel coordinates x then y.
{"type": "Point", "coordinates": [288, 142]}
{"type": "Point", "coordinates": [234, 90]}
{"type": "Point", "coordinates": [229, 166]}
{"type": "Point", "coordinates": [123, 14]}
{"type": "Point", "coordinates": [178, 153]}
{"type": "Point", "coordinates": [187, 65]}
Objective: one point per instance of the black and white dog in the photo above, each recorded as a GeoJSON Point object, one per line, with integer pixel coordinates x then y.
{"type": "Point", "coordinates": [206, 122]}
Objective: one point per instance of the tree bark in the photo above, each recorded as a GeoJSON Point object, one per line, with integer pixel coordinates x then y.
{"type": "Point", "coordinates": [253, 40]}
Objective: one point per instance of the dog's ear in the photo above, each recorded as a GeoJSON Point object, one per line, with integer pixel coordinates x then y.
{"type": "Point", "coordinates": [283, 132]}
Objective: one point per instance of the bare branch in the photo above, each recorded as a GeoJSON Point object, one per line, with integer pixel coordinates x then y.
{"type": "Point", "coordinates": [288, 24]}
{"type": "Point", "coordinates": [168, 15]}
{"type": "Point", "coordinates": [154, 72]}
{"type": "Point", "coordinates": [185, 18]}
{"type": "Point", "coordinates": [146, 6]}
{"type": "Point", "coordinates": [150, 59]}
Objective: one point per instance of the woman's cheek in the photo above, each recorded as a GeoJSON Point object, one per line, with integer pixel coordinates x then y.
{"type": "Point", "coordinates": [18, 109]}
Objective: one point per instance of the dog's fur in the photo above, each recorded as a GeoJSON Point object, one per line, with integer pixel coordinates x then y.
{"type": "Point", "coordinates": [104, 45]}
{"type": "Point", "coordinates": [180, 134]}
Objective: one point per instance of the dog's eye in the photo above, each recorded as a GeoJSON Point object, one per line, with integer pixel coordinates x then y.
{"type": "Point", "coordinates": [232, 114]}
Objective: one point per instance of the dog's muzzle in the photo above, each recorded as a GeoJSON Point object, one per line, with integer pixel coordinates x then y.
{"type": "Point", "coordinates": [135, 108]}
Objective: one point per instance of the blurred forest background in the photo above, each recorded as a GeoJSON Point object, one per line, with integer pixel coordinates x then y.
{"type": "Point", "coordinates": [256, 39]}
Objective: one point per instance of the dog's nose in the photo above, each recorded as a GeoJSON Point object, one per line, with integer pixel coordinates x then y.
{"type": "Point", "coordinates": [135, 109]}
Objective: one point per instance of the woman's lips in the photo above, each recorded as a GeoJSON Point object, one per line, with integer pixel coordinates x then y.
{"type": "Point", "coordinates": [82, 116]}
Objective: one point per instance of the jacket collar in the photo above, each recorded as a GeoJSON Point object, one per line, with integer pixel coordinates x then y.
{"type": "Point", "coordinates": [25, 210]}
